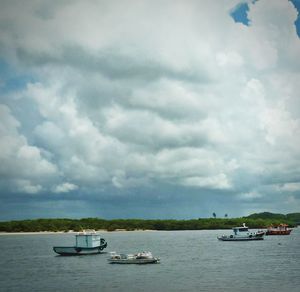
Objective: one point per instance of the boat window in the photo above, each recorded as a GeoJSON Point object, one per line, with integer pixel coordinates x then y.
{"type": "Point", "coordinates": [243, 229]}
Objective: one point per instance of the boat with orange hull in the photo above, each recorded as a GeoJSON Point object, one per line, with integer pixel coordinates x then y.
{"type": "Point", "coordinates": [281, 229]}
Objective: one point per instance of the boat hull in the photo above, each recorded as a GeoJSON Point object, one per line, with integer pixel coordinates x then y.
{"type": "Point", "coordinates": [134, 261]}
{"type": "Point", "coordinates": [257, 236]}
{"type": "Point", "coordinates": [240, 238]}
{"type": "Point", "coordinates": [73, 250]}
{"type": "Point", "coordinates": [278, 232]}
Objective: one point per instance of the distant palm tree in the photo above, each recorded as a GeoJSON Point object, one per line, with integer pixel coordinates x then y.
{"type": "Point", "coordinates": [214, 215]}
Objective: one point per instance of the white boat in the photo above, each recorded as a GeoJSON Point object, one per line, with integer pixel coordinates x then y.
{"type": "Point", "coordinates": [242, 234]}
{"type": "Point", "coordinates": [87, 242]}
{"type": "Point", "coordinates": [139, 258]}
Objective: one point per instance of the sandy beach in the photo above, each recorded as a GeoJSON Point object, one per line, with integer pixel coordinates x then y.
{"type": "Point", "coordinates": [70, 232]}
{"type": "Point", "coordinates": [31, 233]}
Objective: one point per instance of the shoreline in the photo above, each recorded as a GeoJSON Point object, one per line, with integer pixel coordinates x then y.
{"type": "Point", "coordinates": [71, 232]}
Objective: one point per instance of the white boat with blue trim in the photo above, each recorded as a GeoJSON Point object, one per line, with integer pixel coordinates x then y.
{"type": "Point", "coordinates": [87, 242]}
{"type": "Point", "coordinates": [242, 234]}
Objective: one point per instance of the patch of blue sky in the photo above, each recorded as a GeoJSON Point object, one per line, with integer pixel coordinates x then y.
{"type": "Point", "coordinates": [296, 3]}
{"type": "Point", "coordinates": [239, 13]}
{"type": "Point", "coordinates": [12, 79]}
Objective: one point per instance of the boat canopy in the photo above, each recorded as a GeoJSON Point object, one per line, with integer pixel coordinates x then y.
{"type": "Point", "coordinates": [243, 228]}
{"type": "Point", "coordinates": [88, 240]}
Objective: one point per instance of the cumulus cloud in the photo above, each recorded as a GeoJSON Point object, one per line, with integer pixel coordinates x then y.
{"type": "Point", "coordinates": [290, 187]}
{"type": "Point", "coordinates": [26, 187]}
{"type": "Point", "coordinates": [65, 188]}
{"type": "Point", "coordinates": [217, 182]}
{"type": "Point", "coordinates": [135, 97]}
{"type": "Point", "coordinates": [253, 195]}
{"type": "Point", "coordinates": [19, 159]}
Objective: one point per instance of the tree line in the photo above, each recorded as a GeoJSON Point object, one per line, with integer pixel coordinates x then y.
{"type": "Point", "coordinates": [64, 224]}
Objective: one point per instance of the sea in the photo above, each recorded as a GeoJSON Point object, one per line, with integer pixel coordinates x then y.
{"type": "Point", "coordinates": [190, 261]}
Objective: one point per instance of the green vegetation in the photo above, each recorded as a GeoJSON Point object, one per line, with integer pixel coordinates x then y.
{"type": "Point", "coordinates": [261, 220]}
{"type": "Point", "coordinates": [292, 217]}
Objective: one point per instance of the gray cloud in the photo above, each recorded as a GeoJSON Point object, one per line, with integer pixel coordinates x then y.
{"type": "Point", "coordinates": [113, 65]}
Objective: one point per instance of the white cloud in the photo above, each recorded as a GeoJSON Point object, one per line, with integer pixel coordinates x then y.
{"type": "Point", "coordinates": [19, 160]}
{"type": "Point", "coordinates": [228, 59]}
{"type": "Point", "coordinates": [216, 182]}
{"type": "Point", "coordinates": [289, 187]}
{"type": "Point", "coordinates": [25, 186]}
{"type": "Point", "coordinates": [250, 196]}
{"type": "Point", "coordinates": [65, 188]}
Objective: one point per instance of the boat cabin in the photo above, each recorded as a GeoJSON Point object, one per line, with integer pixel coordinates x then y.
{"type": "Point", "coordinates": [238, 230]}
{"type": "Point", "coordinates": [282, 227]}
{"type": "Point", "coordinates": [87, 239]}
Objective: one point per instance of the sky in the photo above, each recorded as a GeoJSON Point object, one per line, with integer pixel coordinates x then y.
{"type": "Point", "coordinates": [149, 109]}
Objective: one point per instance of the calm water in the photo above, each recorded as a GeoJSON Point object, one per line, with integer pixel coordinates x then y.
{"type": "Point", "coordinates": [190, 261]}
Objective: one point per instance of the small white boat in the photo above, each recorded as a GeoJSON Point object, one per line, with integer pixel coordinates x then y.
{"type": "Point", "coordinates": [139, 258]}
{"type": "Point", "coordinates": [242, 234]}
{"type": "Point", "coordinates": [87, 242]}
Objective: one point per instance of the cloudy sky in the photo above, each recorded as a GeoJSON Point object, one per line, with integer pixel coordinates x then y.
{"type": "Point", "coordinates": [149, 109]}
